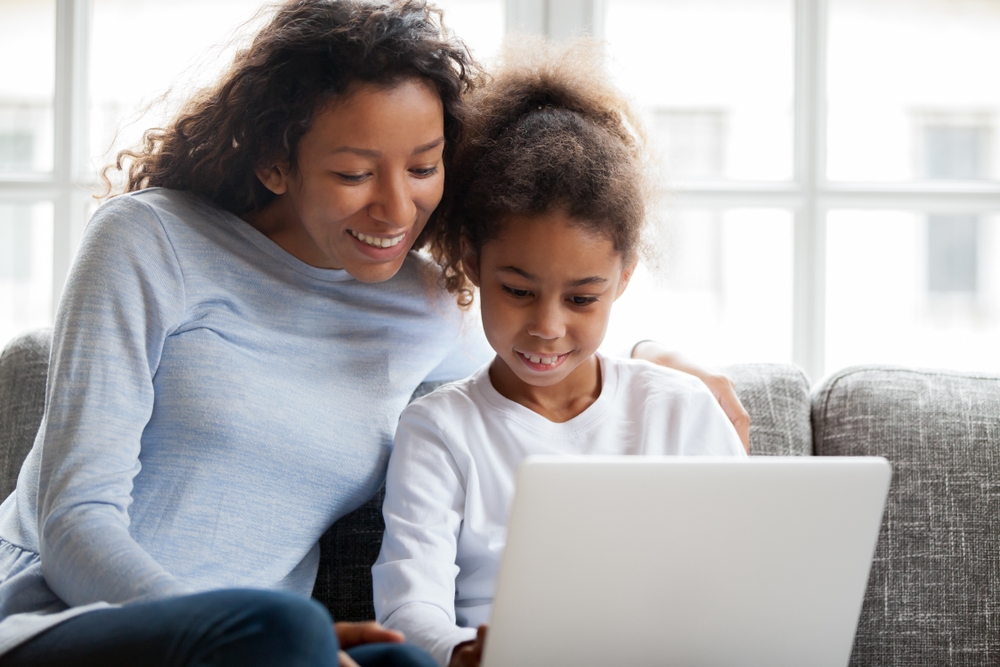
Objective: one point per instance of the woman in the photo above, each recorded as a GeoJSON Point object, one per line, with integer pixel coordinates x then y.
{"type": "Point", "coordinates": [234, 345]}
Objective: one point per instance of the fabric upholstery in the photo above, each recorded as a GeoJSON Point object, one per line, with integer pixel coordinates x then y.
{"type": "Point", "coordinates": [933, 596]}
{"type": "Point", "coordinates": [777, 398]}
{"type": "Point", "coordinates": [23, 367]}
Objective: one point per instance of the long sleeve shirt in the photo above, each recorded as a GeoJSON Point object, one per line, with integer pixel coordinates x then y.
{"type": "Point", "coordinates": [451, 482]}
{"type": "Point", "coordinates": [213, 405]}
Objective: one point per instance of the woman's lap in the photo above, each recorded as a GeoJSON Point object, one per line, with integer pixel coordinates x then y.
{"type": "Point", "coordinates": [251, 628]}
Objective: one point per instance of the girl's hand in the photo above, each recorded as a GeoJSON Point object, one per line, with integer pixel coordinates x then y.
{"type": "Point", "coordinates": [469, 654]}
{"type": "Point", "coordinates": [370, 632]}
{"type": "Point", "coordinates": [344, 660]}
{"type": "Point", "coordinates": [720, 386]}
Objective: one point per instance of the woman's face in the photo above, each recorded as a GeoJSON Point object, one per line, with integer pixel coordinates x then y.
{"type": "Point", "coordinates": [368, 176]}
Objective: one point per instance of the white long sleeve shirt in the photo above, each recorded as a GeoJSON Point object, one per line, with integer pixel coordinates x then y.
{"type": "Point", "coordinates": [451, 481]}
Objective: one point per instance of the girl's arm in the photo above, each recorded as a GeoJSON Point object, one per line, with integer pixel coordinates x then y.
{"type": "Point", "coordinates": [720, 385]}
{"type": "Point", "coordinates": [414, 576]}
{"type": "Point", "coordinates": [122, 297]}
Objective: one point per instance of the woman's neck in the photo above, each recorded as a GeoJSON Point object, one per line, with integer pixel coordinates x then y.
{"type": "Point", "coordinates": [559, 402]}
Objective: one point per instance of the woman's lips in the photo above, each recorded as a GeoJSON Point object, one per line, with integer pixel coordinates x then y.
{"type": "Point", "coordinates": [380, 247]}
{"type": "Point", "coordinates": [542, 362]}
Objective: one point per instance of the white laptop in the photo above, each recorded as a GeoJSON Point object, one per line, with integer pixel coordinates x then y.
{"type": "Point", "coordinates": [643, 561]}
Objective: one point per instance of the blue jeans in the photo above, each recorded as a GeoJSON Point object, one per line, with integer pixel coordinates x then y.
{"type": "Point", "coordinates": [228, 628]}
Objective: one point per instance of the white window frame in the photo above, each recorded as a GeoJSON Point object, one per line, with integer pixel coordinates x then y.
{"type": "Point", "coordinates": [809, 195]}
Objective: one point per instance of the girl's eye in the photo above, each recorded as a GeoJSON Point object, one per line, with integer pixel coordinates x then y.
{"type": "Point", "coordinates": [518, 293]}
{"type": "Point", "coordinates": [424, 172]}
{"type": "Point", "coordinates": [583, 300]}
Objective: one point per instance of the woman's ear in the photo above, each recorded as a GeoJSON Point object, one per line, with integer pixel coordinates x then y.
{"type": "Point", "coordinates": [470, 261]}
{"type": "Point", "coordinates": [627, 272]}
{"type": "Point", "coordinates": [274, 177]}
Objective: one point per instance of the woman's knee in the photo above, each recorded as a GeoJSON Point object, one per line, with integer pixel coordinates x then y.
{"type": "Point", "coordinates": [295, 629]}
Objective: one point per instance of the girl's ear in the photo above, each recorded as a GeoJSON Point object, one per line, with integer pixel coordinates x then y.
{"type": "Point", "coordinates": [470, 261]}
{"type": "Point", "coordinates": [627, 272]}
{"type": "Point", "coordinates": [274, 177]}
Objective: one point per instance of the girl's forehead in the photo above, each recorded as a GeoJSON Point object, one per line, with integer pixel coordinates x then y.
{"type": "Point", "coordinates": [551, 246]}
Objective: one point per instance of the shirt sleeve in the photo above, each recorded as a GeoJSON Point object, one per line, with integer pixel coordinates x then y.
{"type": "Point", "coordinates": [414, 576]}
{"type": "Point", "coordinates": [470, 351]}
{"type": "Point", "coordinates": [123, 295]}
{"type": "Point", "coordinates": [704, 429]}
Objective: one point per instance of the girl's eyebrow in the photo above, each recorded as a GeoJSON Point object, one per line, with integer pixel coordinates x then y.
{"type": "Point", "coordinates": [590, 280]}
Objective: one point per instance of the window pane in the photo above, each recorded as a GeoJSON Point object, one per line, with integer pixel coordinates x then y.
{"type": "Point", "coordinates": [913, 289]}
{"type": "Point", "coordinates": [912, 90]}
{"type": "Point", "coordinates": [714, 79]}
{"type": "Point", "coordinates": [723, 292]}
{"type": "Point", "coordinates": [28, 51]}
{"type": "Point", "coordinates": [25, 267]}
{"type": "Point", "coordinates": [479, 23]}
{"type": "Point", "coordinates": [193, 42]}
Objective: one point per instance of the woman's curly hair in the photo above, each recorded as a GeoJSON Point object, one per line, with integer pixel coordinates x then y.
{"type": "Point", "coordinates": [548, 132]}
{"type": "Point", "coordinates": [309, 52]}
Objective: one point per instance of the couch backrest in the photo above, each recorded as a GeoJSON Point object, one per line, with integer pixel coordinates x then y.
{"type": "Point", "coordinates": [933, 596]}
{"type": "Point", "coordinates": [23, 367]}
{"type": "Point", "coordinates": [777, 398]}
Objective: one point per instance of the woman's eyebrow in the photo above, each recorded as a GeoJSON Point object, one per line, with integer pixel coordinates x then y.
{"type": "Point", "coordinates": [368, 152]}
{"type": "Point", "coordinates": [426, 147]}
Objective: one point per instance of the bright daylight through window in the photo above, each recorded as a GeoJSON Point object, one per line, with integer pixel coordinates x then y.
{"type": "Point", "coordinates": [831, 168]}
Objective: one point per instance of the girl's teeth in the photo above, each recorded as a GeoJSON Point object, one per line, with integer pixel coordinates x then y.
{"type": "Point", "coordinates": [545, 361]}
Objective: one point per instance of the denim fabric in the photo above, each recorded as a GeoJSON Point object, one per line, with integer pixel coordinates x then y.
{"type": "Point", "coordinates": [230, 628]}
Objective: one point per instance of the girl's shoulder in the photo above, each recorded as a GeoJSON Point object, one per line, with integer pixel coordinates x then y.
{"type": "Point", "coordinates": [641, 375]}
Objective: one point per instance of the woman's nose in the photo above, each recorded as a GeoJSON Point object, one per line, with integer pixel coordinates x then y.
{"type": "Point", "coordinates": [548, 322]}
{"type": "Point", "coordinates": [393, 203]}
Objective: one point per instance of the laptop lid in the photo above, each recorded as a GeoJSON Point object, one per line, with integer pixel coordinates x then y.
{"type": "Point", "coordinates": [686, 561]}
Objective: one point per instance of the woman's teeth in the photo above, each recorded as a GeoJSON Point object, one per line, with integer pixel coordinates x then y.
{"type": "Point", "coordinates": [377, 241]}
{"type": "Point", "coordinates": [535, 359]}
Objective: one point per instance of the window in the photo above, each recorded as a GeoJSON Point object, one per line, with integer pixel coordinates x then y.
{"type": "Point", "coordinates": [833, 181]}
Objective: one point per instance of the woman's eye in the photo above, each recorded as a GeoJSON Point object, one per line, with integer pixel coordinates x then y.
{"type": "Point", "coordinates": [424, 172]}
{"type": "Point", "coordinates": [583, 300]}
{"type": "Point", "coordinates": [519, 293]}
{"type": "Point", "coordinates": [352, 178]}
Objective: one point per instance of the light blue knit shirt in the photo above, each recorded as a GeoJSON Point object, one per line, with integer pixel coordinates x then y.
{"type": "Point", "coordinates": [213, 405]}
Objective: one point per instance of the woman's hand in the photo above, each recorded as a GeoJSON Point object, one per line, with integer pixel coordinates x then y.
{"type": "Point", "coordinates": [720, 386]}
{"type": "Point", "coordinates": [369, 632]}
{"type": "Point", "coordinates": [355, 634]}
{"type": "Point", "coordinates": [470, 653]}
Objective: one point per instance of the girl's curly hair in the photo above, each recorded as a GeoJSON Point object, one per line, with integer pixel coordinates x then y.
{"type": "Point", "coordinates": [548, 132]}
{"type": "Point", "coordinates": [309, 52]}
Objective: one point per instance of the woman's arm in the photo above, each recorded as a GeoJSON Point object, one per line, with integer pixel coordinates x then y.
{"type": "Point", "coordinates": [720, 385]}
{"type": "Point", "coordinates": [122, 297]}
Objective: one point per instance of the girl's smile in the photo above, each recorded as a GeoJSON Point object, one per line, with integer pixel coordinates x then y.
{"type": "Point", "coordinates": [547, 283]}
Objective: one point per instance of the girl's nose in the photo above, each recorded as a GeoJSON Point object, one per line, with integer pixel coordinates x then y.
{"type": "Point", "coordinates": [393, 203]}
{"type": "Point", "coordinates": [548, 322]}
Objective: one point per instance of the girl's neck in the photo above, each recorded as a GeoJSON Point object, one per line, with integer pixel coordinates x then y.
{"type": "Point", "coordinates": [559, 402]}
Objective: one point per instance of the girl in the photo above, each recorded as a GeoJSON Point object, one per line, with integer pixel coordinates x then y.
{"type": "Point", "coordinates": [545, 219]}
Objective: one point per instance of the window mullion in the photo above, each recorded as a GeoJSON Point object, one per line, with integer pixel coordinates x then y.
{"type": "Point", "coordinates": [70, 112]}
{"type": "Point", "coordinates": [808, 294]}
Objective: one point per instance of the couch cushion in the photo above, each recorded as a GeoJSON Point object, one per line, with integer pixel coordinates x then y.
{"type": "Point", "coordinates": [933, 596]}
{"type": "Point", "coordinates": [777, 398]}
{"type": "Point", "coordinates": [23, 368]}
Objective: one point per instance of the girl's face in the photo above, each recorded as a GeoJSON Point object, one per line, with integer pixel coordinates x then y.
{"type": "Point", "coordinates": [547, 286]}
{"type": "Point", "coordinates": [368, 175]}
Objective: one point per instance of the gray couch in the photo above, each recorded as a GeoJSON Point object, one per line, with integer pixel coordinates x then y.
{"type": "Point", "coordinates": [933, 596]}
